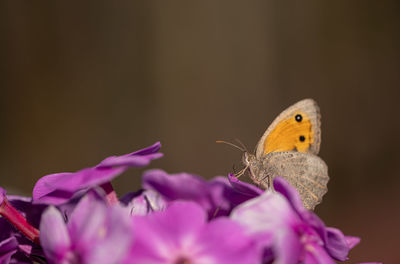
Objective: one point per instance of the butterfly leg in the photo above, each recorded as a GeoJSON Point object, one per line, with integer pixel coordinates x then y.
{"type": "Point", "coordinates": [265, 182]}
{"type": "Point", "coordinates": [241, 172]}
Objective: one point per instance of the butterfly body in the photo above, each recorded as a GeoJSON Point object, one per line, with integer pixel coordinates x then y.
{"type": "Point", "coordinates": [288, 149]}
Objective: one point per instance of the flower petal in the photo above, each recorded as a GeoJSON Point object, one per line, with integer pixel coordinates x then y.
{"type": "Point", "coordinates": [179, 219]}
{"type": "Point", "coordinates": [59, 187]}
{"type": "Point", "coordinates": [266, 213]}
{"type": "Point", "coordinates": [144, 202]}
{"type": "Point", "coordinates": [216, 196]}
{"type": "Point", "coordinates": [272, 215]}
{"type": "Point", "coordinates": [225, 197]}
{"type": "Point", "coordinates": [138, 158]}
{"type": "Point", "coordinates": [2, 195]}
{"type": "Point", "coordinates": [336, 243]}
{"type": "Point", "coordinates": [291, 194]}
{"type": "Point", "coordinates": [161, 235]}
{"type": "Point", "coordinates": [315, 254]}
{"type": "Point", "coordinates": [352, 241]}
{"type": "Point", "coordinates": [244, 187]}
{"type": "Point", "coordinates": [225, 241]}
{"type": "Point", "coordinates": [114, 238]}
{"type": "Point", "coordinates": [8, 247]}
{"type": "Point", "coordinates": [286, 247]}
{"type": "Point", "coordinates": [178, 186]}
{"type": "Point", "coordinates": [86, 221]}
{"type": "Point", "coordinates": [54, 236]}
{"type": "Point", "coordinates": [181, 233]}
{"type": "Point", "coordinates": [99, 234]}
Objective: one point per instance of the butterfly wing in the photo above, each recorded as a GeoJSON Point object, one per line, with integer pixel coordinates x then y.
{"type": "Point", "coordinates": [295, 129]}
{"type": "Point", "coordinates": [306, 172]}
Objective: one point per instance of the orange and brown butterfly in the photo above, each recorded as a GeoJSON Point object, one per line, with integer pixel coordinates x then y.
{"type": "Point", "coordinates": [289, 149]}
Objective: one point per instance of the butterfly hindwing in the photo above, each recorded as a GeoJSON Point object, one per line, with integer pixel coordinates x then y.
{"type": "Point", "coordinates": [306, 172]}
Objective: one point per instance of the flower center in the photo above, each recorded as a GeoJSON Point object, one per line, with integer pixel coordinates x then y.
{"type": "Point", "coordinates": [182, 260]}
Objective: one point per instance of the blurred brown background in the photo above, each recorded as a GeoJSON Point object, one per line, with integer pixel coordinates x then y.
{"type": "Point", "coordinates": [82, 81]}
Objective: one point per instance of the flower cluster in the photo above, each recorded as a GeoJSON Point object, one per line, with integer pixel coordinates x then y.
{"type": "Point", "coordinates": [174, 219]}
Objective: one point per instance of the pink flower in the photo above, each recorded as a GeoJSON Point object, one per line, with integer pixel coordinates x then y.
{"type": "Point", "coordinates": [182, 234]}
{"type": "Point", "coordinates": [95, 233]}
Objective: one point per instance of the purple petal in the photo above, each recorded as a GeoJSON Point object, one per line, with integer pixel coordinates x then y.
{"type": "Point", "coordinates": [86, 220]}
{"type": "Point", "coordinates": [313, 221]}
{"type": "Point", "coordinates": [266, 213]}
{"type": "Point", "coordinates": [149, 150]}
{"type": "Point", "coordinates": [212, 243]}
{"type": "Point", "coordinates": [272, 215]}
{"type": "Point", "coordinates": [216, 196]}
{"type": "Point", "coordinates": [21, 258]}
{"type": "Point", "coordinates": [8, 247]}
{"type": "Point", "coordinates": [54, 236]}
{"type": "Point", "coordinates": [334, 240]}
{"type": "Point", "coordinates": [59, 187]}
{"type": "Point", "coordinates": [100, 234]}
{"type": "Point", "coordinates": [179, 220]}
{"type": "Point", "coordinates": [143, 203]}
{"type": "Point", "coordinates": [224, 197]}
{"type": "Point", "coordinates": [181, 233]}
{"type": "Point", "coordinates": [287, 246]}
{"type": "Point", "coordinates": [56, 197]}
{"type": "Point", "coordinates": [352, 241]}
{"type": "Point", "coordinates": [136, 203]}
{"type": "Point", "coordinates": [244, 187]}
{"type": "Point", "coordinates": [2, 195]}
{"type": "Point", "coordinates": [6, 229]}
{"type": "Point", "coordinates": [128, 197]}
{"type": "Point", "coordinates": [114, 238]}
{"type": "Point", "coordinates": [291, 194]}
{"type": "Point", "coordinates": [178, 186]}
{"type": "Point", "coordinates": [160, 235]}
{"type": "Point", "coordinates": [68, 208]}
{"type": "Point", "coordinates": [315, 254]}
{"type": "Point", "coordinates": [370, 263]}
{"type": "Point", "coordinates": [139, 158]}
{"type": "Point", "coordinates": [336, 244]}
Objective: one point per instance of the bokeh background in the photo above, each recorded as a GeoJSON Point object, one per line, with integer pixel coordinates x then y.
{"type": "Point", "coordinates": [81, 81]}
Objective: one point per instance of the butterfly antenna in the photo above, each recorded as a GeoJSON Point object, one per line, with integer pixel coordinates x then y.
{"type": "Point", "coordinates": [231, 144]}
{"type": "Point", "coordinates": [241, 144]}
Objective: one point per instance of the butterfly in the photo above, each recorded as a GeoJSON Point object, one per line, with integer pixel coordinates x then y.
{"type": "Point", "coordinates": [289, 149]}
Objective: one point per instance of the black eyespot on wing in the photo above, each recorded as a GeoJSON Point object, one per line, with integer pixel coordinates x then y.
{"type": "Point", "coordinates": [302, 138]}
{"type": "Point", "coordinates": [298, 118]}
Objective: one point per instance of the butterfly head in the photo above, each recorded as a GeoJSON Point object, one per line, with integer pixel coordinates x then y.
{"type": "Point", "coordinates": [247, 158]}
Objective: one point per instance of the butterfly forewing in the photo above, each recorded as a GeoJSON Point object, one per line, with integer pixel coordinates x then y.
{"type": "Point", "coordinates": [295, 129]}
